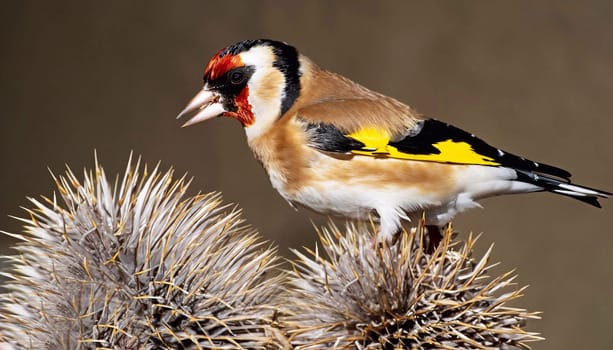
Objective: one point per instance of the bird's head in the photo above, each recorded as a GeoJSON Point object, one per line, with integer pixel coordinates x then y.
{"type": "Point", "coordinates": [253, 81]}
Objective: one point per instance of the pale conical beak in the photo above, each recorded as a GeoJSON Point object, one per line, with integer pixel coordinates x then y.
{"type": "Point", "coordinates": [205, 105]}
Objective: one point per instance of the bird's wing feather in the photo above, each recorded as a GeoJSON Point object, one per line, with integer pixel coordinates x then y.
{"type": "Point", "coordinates": [428, 140]}
{"type": "Point", "coordinates": [350, 115]}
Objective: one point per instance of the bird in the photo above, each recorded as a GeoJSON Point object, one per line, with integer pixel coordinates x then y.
{"type": "Point", "coordinates": [338, 148]}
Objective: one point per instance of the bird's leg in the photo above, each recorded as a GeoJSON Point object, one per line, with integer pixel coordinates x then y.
{"type": "Point", "coordinates": [389, 225]}
{"type": "Point", "coordinates": [434, 238]}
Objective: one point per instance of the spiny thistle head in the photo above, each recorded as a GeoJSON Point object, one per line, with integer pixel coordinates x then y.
{"type": "Point", "coordinates": [137, 266]}
{"type": "Point", "coordinates": [398, 297]}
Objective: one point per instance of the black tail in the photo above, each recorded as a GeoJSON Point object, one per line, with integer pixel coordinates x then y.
{"type": "Point", "coordinates": [551, 184]}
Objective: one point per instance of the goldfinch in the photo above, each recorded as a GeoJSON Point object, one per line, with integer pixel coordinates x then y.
{"type": "Point", "coordinates": [338, 148]}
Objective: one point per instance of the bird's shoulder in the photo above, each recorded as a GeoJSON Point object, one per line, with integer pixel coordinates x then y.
{"type": "Point", "coordinates": [331, 98]}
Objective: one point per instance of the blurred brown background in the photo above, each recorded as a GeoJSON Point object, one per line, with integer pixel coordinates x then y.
{"type": "Point", "coordinates": [535, 78]}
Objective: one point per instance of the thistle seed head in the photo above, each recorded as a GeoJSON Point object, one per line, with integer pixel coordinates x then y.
{"type": "Point", "coordinates": [137, 265]}
{"type": "Point", "coordinates": [398, 297]}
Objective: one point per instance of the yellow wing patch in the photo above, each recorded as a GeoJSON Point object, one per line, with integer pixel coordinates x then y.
{"type": "Point", "coordinates": [376, 143]}
{"type": "Point", "coordinates": [373, 139]}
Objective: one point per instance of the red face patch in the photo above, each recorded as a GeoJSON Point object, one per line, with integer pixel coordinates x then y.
{"type": "Point", "coordinates": [244, 113]}
{"type": "Point", "coordinates": [216, 68]}
{"type": "Point", "coordinates": [219, 66]}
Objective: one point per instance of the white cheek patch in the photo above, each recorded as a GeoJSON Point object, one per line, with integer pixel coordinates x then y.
{"type": "Point", "coordinates": [266, 88]}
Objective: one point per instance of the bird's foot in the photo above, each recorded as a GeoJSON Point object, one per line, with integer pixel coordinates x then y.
{"type": "Point", "coordinates": [386, 240]}
{"type": "Point", "coordinates": [434, 238]}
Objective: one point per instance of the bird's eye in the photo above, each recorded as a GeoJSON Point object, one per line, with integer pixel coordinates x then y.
{"type": "Point", "coordinates": [237, 77]}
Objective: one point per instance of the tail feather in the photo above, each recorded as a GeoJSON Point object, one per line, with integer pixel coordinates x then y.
{"type": "Point", "coordinates": [581, 193]}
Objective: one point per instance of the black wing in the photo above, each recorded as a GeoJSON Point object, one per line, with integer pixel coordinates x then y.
{"type": "Point", "coordinates": [429, 140]}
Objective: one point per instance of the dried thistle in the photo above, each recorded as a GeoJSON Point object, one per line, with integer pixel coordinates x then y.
{"type": "Point", "coordinates": [398, 297]}
{"type": "Point", "coordinates": [137, 266]}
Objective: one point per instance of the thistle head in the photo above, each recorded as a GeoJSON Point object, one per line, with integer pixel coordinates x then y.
{"type": "Point", "coordinates": [137, 265]}
{"type": "Point", "coordinates": [389, 297]}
